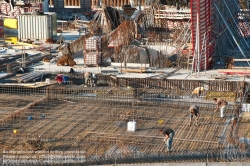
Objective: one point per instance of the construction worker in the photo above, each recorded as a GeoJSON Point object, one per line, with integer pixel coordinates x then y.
{"type": "Point", "coordinates": [194, 111]}
{"type": "Point", "coordinates": [71, 71]}
{"type": "Point", "coordinates": [95, 78]}
{"type": "Point", "coordinates": [221, 104]}
{"type": "Point", "coordinates": [197, 91]}
{"type": "Point", "coordinates": [88, 76]}
{"type": "Point", "coordinates": [59, 78]}
{"type": "Point", "coordinates": [169, 135]}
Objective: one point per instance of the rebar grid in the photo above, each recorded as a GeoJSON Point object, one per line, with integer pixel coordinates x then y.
{"type": "Point", "coordinates": [241, 133]}
{"type": "Point", "coordinates": [71, 126]}
{"type": "Point", "coordinates": [94, 120]}
{"type": "Point", "coordinates": [133, 97]}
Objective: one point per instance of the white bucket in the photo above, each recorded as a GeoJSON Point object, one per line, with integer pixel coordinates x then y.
{"type": "Point", "coordinates": [131, 126]}
{"type": "Point", "coordinates": [47, 81]}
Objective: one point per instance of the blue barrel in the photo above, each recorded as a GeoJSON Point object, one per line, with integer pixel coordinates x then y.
{"type": "Point", "coordinates": [30, 118]}
{"type": "Point", "coordinates": [43, 116]}
{"type": "Point", "coordinates": [65, 78]}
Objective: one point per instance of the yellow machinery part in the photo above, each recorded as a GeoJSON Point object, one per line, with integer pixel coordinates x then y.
{"type": "Point", "coordinates": [10, 23]}
{"type": "Point", "coordinates": [10, 39]}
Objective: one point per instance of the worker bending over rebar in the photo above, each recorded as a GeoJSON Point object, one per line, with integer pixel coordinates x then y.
{"type": "Point", "coordinates": [221, 104]}
{"type": "Point", "coordinates": [169, 135]}
{"type": "Point", "coordinates": [194, 111]}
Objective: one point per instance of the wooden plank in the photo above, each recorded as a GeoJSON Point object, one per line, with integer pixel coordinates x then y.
{"type": "Point", "coordinates": [143, 70]}
{"type": "Point", "coordinates": [235, 71]}
{"type": "Point", "coordinates": [241, 60]}
{"type": "Point", "coordinates": [241, 67]}
{"type": "Point", "coordinates": [32, 85]}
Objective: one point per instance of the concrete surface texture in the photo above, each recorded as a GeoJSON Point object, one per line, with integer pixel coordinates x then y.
{"type": "Point", "coordinates": [188, 164]}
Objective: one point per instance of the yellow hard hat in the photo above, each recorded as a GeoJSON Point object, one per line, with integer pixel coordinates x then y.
{"type": "Point", "coordinates": [160, 121]}
{"type": "Point", "coordinates": [15, 131]}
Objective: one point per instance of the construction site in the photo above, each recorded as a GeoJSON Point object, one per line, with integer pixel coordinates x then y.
{"type": "Point", "coordinates": [95, 87]}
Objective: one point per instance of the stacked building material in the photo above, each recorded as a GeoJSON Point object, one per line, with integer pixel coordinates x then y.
{"type": "Point", "coordinates": [31, 77]}
{"type": "Point", "coordinates": [93, 50]}
{"type": "Point", "coordinates": [93, 59]}
{"type": "Point", "coordinates": [94, 43]}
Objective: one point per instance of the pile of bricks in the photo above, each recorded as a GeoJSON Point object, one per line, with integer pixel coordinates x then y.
{"type": "Point", "coordinates": [93, 58]}
{"type": "Point", "coordinates": [94, 43]}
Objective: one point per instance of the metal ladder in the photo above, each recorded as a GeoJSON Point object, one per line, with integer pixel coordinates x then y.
{"type": "Point", "coordinates": [183, 38]}
{"type": "Point", "coordinates": [190, 62]}
{"type": "Point", "coordinates": [181, 42]}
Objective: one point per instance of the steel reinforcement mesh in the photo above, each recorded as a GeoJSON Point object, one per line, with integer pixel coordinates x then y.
{"type": "Point", "coordinates": [91, 125]}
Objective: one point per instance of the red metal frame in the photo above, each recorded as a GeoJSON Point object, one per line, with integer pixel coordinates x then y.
{"type": "Point", "coordinates": [203, 9]}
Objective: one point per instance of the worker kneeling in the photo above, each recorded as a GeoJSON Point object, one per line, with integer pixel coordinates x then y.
{"type": "Point", "coordinates": [194, 111]}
